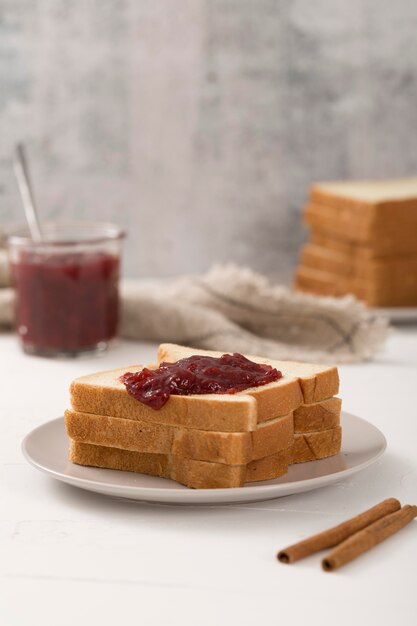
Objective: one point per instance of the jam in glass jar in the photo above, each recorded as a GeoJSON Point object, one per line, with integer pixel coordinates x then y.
{"type": "Point", "coordinates": [67, 287]}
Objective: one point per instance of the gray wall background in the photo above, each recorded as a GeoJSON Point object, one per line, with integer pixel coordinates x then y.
{"type": "Point", "coordinates": [199, 125]}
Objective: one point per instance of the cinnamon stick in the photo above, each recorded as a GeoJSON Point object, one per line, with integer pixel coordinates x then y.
{"type": "Point", "coordinates": [337, 534]}
{"type": "Point", "coordinates": [369, 537]}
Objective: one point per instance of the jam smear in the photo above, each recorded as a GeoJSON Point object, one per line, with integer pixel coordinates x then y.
{"type": "Point", "coordinates": [197, 375]}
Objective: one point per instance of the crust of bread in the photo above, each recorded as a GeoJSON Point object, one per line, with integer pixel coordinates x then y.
{"type": "Point", "coordinates": [204, 474]}
{"type": "Point", "coordinates": [379, 246]}
{"type": "Point", "coordinates": [360, 227]}
{"type": "Point", "coordinates": [399, 293]}
{"type": "Point", "coordinates": [326, 284]}
{"type": "Point", "coordinates": [272, 436]}
{"type": "Point", "coordinates": [269, 467]}
{"type": "Point", "coordinates": [379, 274]}
{"type": "Point", "coordinates": [137, 435]}
{"type": "Point", "coordinates": [382, 199]}
{"type": "Point", "coordinates": [317, 382]}
{"type": "Point", "coordinates": [189, 472]}
{"type": "Point", "coordinates": [319, 416]}
{"type": "Point", "coordinates": [363, 252]}
{"type": "Point", "coordinates": [103, 394]}
{"type": "Point", "coordinates": [276, 399]}
{"type": "Point", "coordinates": [316, 445]}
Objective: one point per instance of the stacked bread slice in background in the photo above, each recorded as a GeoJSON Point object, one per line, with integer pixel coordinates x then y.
{"type": "Point", "coordinates": [363, 240]}
{"type": "Point", "coordinates": [212, 440]}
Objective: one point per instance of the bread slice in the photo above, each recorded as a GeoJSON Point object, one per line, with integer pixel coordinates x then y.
{"type": "Point", "coordinates": [378, 273]}
{"type": "Point", "coordinates": [102, 393]}
{"type": "Point", "coordinates": [189, 472]}
{"type": "Point", "coordinates": [319, 416]}
{"type": "Point", "coordinates": [380, 246]}
{"type": "Point", "coordinates": [316, 445]}
{"type": "Point", "coordinates": [383, 198]}
{"type": "Point", "coordinates": [327, 284]}
{"type": "Point", "coordinates": [269, 467]}
{"type": "Point", "coordinates": [362, 251]}
{"type": "Point", "coordinates": [317, 382]}
{"type": "Point", "coordinates": [324, 283]}
{"type": "Point", "coordinates": [204, 445]}
{"type": "Point", "coordinates": [361, 228]}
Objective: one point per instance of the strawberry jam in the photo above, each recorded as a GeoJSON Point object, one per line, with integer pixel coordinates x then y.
{"type": "Point", "coordinates": [197, 375]}
{"type": "Point", "coordinates": [66, 302]}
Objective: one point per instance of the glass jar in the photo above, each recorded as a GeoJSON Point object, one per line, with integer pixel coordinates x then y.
{"type": "Point", "coordinates": [67, 287]}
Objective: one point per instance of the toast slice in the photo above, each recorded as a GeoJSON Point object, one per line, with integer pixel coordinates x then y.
{"type": "Point", "coordinates": [102, 393]}
{"type": "Point", "coordinates": [317, 382]}
{"type": "Point", "coordinates": [361, 228]}
{"type": "Point", "coordinates": [137, 435]}
{"type": "Point", "coordinates": [324, 230]}
{"type": "Point", "coordinates": [189, 472]}
{"type": "Point", "coordinates": [316, 445]}
{"type": "Point", "coordinates": [383, 198]}
{"type": "Point", "coordinates": [380, 273]}
{"type": "Point", "coordinates": [327, 284]}
{"type": "Point", "coordinates": [362, 252]}
{"type": "Point", "coordinates": [319, 416]}
{"type": "Point", "coordinates": [324, 283]}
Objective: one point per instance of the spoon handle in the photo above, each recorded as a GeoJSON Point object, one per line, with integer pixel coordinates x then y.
{"type": "Point", "coordinates": [21, 171]}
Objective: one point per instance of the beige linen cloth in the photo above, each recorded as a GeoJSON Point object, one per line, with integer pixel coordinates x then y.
{"type": "Point", "coordinates": [233, 309]}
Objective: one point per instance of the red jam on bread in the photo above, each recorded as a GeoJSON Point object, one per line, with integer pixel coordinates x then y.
{"type": "Point", "coordinates": [197, 375]}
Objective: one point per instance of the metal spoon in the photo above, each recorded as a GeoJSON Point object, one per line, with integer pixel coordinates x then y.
{"type": "Point", "coordinates": [21, 170]}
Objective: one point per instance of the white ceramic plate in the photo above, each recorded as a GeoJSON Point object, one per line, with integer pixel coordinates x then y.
{"type": "Point", "coordinates": [399, 315]}
{"type": "Point", "coordinates": [46, 448]}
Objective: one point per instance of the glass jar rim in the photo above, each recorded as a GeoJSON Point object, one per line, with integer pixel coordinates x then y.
{"type": "Point", "coordinates": [66, 233]}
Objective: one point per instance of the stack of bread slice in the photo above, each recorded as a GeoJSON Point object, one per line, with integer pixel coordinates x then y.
{"type": "Point", "coordinates": [316, 419]}
{"type": "Point", "coordinates": [363, 241]}
{"type": "Point", "coordinates": [211, 440]}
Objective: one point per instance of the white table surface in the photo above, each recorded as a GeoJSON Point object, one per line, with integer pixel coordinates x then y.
{"type": "Point", "coordinates": [69, 557]}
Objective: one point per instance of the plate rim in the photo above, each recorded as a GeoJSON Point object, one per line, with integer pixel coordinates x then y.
{"type": "Point", "coordinates": [202, 496]}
